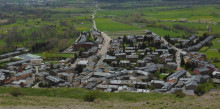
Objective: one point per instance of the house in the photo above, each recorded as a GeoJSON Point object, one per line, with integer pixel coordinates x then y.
{"type": "Point", "coordinates": [140, 38]}
{"type": "Point", "coordinates": [216, 74]}
{"type": "Point", "coordinates": [178, 74]}
{"type": "Point", "coordinates": [54, 80]}
{"type": "Point", "coordinates": [99, 40]}
{"type": "Point", "coordinates": [103, 87]}
{"type": "Point", "coordinates": [119, 82]}
{"type": "Point", "coordinates": [158, 84]}
{"type": "Point", "coordinates": [166, 87]}
{"type": "Point", "coordinates": [19, 82]}
{"type": "Point", "coordinates": [140, 72]}
{"type": "Point", "coordinates": [82, 63]}
{"type": "Point", "coordinates": [65, 76]}
{"type": "Point", "coordinates": [140, 63]}
{"type": "Point", "coordinates": [162, 51]}
{"type": "Point", "coordinates": [36, 61]}
{"type": "Point", "coordinates": [109, 58]}
{"type": "Point", "coordinates": [11, 54]}
{"type": "Point", "coordinates": [168, 60]}
{"type": "Point", "coordinates": [85, 45]}
{"type": "Point", "coordinates": [196, 55]}
{"type": "Point", "coordinates": [191, 38]}
{"type": "Point", "coordinates": [124, 63]}
{"type": "Point", "coordinates": [199, 45]}
{"type": "Point", "coordinates": [23, 75]}
{"type": "Point", "coordinates": [128, 52]}
{"type": "Point", "coordinates": [41, 76]}
{"type": "Point", "coordinates": [95, 33]}
{"type": "Point", "coordinates": [191, 85]}
{"type": "Point", "coordinates": [132, 58]}
{"type": "Point", "coordinates": [171, 65]}
{"type": "Point", "coordinates": [165, 56]}
{"type": "Point", "coordinates": [132, 39]}
{"type": "Point", "coordinates": [199, 63]}
{"type": "Point", "coordinates": [120, 56]}
{"type": "Point", "coordinates": [129, 48]}
{"type": "Point", "coordinates": [148, 32]}
{"type": "Point", "coordinates": [91, 51]}
{"type": "Point", "coordinates": [100, 74]}
{"type": "Point", "coordinates": [202, 71]}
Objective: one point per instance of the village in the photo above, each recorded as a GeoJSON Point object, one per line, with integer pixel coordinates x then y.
{"type": "Point", "coordinates": [143, 63]}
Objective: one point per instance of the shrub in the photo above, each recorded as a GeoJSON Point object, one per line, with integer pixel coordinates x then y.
{"type": "Point", "coordinates": [16, 92]}
{"type": "Point", "coordinates": [204, 87]}
{"type": "Point", "coordinates": [179, 94]}
{"type": "Point", "coordinates": [91, 96]}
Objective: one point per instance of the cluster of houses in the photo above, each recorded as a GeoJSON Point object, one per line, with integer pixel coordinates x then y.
{"type": "Point", "coordinates": [15, 53]}
{"type": "Point", "coordinates": [141, 63]}
{"type": "Point", "coordinates": [136, 57]}
{"type": "Point", "coordinates": [200, 45]}
{"type": "Point", "coordinates": [90, 46]}
{"type": "Point", "coordinates": [190, 43]}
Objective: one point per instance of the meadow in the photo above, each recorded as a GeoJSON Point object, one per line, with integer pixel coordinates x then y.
{"type": "Point", "coordinates": [74, 97]}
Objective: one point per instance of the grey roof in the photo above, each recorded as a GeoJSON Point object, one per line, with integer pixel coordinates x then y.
{"type": "Point", "coordinates": [54, 79]}
{"type": "Point", "coordinates": [202, 69]}
{"type": "Point", "coordinates": [131, 56]}
{"type": "Point", "coordinates": [200, 45]}
{"type": "Point", "coordinates": [17, 62]}
{"type": "Point", "coordinates": [107, 57]}
{"type": "Point", "coordinates": [10, 54]}
{"type": "Point", "coordinates": [177, 75]}
{"type": "Point", "coordinates": [82, 39]}
{"type": "Point", "coordinates": [24, 72]}
{"type": "Point", "coordinates": [192, 37]}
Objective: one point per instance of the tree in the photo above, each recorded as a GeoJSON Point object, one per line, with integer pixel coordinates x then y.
{"type": "Point", "coordinates": [182, 61]}
{"type": "Point", "coordinates": [187, 65]}
{"type": "Point", "coordinates": [125, 39]}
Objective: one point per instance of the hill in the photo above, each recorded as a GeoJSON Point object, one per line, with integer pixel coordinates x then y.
{"type": "Point", "coordinates": [72, 98]}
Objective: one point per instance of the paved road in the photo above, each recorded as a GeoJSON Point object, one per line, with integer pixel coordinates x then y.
{"type": "Point", "coordinates": [103, 51]}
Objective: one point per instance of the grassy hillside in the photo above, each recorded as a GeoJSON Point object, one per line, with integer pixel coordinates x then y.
{"type": "Point", "coordinates": [73, 98]}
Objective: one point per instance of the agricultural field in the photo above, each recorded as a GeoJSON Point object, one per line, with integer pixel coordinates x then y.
{"type": "Point", "coordinates": [161, 19]}
{"type": "Point", "coordinates": [25, 23]}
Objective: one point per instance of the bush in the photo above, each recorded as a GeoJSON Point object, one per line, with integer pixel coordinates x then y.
{"type": "Point", "coordinates": [204, 87]}
{"type": "Point", "coordinates": [91, 96]}
{"type": "Point", "coordinates": [179, 94]}
{"type": "Point", "coordinates": [16, 92]}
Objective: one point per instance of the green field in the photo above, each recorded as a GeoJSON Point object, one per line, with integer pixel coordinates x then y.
{"type": "Point", "coordinates": [144, 16]}
{"type": "Point", "coordinates": [112, 26]}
